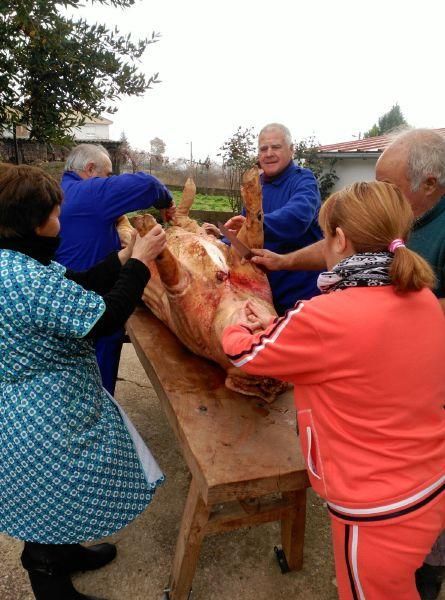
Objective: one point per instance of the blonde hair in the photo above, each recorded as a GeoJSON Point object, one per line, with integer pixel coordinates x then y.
{"type": "Point", "coordinates": [371, 216]}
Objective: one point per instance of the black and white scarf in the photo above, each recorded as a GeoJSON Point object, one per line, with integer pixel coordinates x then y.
{"type": "Point", "coordinates": [367, 269]}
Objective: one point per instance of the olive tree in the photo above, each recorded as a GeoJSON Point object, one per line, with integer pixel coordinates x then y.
{"type": "Point", "coordinates": [55, 70]}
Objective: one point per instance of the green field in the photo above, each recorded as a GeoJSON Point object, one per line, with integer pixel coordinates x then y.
{"type": "Point", "coordinates": [203, 202]}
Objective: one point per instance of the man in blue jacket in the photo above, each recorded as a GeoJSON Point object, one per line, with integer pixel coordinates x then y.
{"type": "Point", "coordinates": [291, 201]}
{"type": "Point", "coordinates": [93, 202]}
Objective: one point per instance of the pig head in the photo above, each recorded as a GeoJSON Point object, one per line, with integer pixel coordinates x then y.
{"type": "Point", "coordinates": [199, 285]}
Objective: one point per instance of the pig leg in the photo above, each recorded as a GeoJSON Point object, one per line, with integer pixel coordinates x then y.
{"type": "Point", "coordinates": [170, 271]}
{"type": "Point", "coordinates": [124, 230]}
{"type": "Point", "coordinates": [188, 197]}
{"type": "Point", "coordinates": [251, 232]}
{"type": "Point", "coordinates": [181, 218]}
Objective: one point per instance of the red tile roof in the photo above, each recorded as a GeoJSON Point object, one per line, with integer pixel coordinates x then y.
{"type": "Point", "coordinates": [372, 144]}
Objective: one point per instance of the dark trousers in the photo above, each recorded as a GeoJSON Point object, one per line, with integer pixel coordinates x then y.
{"type": "Point", "coordinates": [108, 353]}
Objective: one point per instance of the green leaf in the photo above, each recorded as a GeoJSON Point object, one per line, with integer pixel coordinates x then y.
{"type": "Point", "coordinates": [55, 69]}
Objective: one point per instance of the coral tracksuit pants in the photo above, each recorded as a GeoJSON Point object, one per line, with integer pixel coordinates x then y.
{"type": "Point", "coordinates": [378, 562]}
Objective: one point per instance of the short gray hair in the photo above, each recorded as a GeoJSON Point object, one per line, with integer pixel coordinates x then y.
{"type": "Point", "coordinates": [82, 154]}
{"type": "Point", "coordinates": [426, 155]}
{"type": "Point", "coordinates": [284, 130]}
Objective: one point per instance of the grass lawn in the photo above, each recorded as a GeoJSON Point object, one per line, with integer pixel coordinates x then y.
{"type": "Point", "coordinates": [203, 202]}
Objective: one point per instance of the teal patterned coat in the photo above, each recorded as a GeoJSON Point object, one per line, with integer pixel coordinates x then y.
{"type": "Point", "coordinates": [70, 470]}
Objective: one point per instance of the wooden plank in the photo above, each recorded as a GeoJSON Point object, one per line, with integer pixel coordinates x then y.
{"type": "Point", "coordinates": [292, 529]}
{"type": "Point", "coordinates": [188, 545]}
{"type": "Point", "coordinates": [235, 446]}
{"type": "Point", "coordinates": [233, 515]}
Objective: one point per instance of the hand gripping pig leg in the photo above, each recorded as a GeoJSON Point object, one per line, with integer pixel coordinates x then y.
{"type": "Point", "coordinates": [251, 233]}
{"type": "Point", "coordinates": [170, 271]}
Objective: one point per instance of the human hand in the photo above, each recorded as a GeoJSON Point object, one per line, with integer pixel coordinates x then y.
{"type": "Point", "coordinates": [251, 314]}
{"type": "Point", "coordinates": [235, 223]}
{"type": "Point", "coordinates": [270, 260]}
{"type": "Point", "coordinates": [258, 316]}
{"type": "Point", "coordinates": [148, 247]}
{"type": "Point", "coordinates": [167, 214]}
{"type": "Point", "coordinates": [211, 229]}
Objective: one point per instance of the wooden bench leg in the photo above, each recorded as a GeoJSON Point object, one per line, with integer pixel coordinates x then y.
{"type": "Point", "coordinates": [292, 530]}
{"type": "Point", "coordinates": [191, 533]}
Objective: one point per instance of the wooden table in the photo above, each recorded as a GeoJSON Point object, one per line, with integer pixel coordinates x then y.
{"type": "Point", "coordinates": [243, 454]}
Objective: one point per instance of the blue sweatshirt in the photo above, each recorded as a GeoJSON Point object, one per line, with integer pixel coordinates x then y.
{"type": "Point", "coordinates": [90, 210]}
{"type": "Point", "coordinates": [291, 202]}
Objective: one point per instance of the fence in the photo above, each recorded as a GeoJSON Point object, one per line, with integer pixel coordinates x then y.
{"type": "Point", "coordinates": [207, 182]}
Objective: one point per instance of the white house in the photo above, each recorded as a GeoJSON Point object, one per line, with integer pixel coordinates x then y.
{"type": "Point", "coordinates": [356, 160]}
{"type": "Point", "coordinates": [94, 129]}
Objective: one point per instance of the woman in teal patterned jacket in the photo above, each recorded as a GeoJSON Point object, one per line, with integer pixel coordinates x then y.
{"type": "Point", "coordinates": [72, 467]}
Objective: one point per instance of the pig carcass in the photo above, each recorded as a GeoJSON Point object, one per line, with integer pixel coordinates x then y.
{"type": "Point", "coordinates": [199, 285]}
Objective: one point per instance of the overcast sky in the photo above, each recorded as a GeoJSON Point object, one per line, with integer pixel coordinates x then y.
{"type": "Point", "coordinates": [324, 68]}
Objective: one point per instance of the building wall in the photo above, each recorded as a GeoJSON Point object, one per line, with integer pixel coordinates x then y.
{"type": "Point", "coordinates": [21, 132]}
{"type": "Point", "coordinates": [31, 152]}
{"type": "Point", "coordinates": [92, 131]}
{"type": "Point", "coordinates": [89, 131]}
{"type": "Point", "coordinates": [350, 170]}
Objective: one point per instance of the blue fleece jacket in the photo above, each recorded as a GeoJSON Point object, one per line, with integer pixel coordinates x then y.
{"type": "Point", "coordinates": [291, 202]}
{"type": "Point", "coordinates": [90, 210]}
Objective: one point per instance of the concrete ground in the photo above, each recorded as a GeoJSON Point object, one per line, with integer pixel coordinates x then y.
{"type": "Point", "coordinates": [237, 565]}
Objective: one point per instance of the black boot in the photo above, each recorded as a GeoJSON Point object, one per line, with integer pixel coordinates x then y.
{"type": "Point", "coordinates": [80, 558]}
{"type": "Point", "coordinates": [48, 572]}
{"type": "Point", "coordinates": [54, 587]}
{"type": "Point", "coordinates": [429, 581]}
{"type": "Point", "coordinates": [71, 557]}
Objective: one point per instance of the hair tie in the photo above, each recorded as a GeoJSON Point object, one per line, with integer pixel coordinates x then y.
{"type": "Point", "coordinates": [398, 243]}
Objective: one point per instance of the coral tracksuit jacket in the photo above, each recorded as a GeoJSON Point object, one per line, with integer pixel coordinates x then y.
{"type": "Point", "coordinates": [368, 369]}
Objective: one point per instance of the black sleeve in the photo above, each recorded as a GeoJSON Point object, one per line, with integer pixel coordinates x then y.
{"type": "Point", "coordinates": [100, 278]}
{"type": "Point", "coordinates": [122, 299]}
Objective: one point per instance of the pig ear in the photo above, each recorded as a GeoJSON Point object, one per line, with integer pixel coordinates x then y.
{"type": "Point", "coordinates": [170, 271]}
{"type": "Point", "coordinates": [188, 197]}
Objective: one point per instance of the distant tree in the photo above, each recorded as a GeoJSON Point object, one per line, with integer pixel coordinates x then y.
{"type": "Point", "coordinates": [127, 155]}
{"type": "Point", "coordinates": [390, 120]}
{"type": "Point", "coordinates": [239, 153]}
{"type": "Point", "coordinates": [56, 70]}
{"type": "Point", "coordinates": [157, 146]}
{"type": "Point", "coordinates": [306, 153]}
{"type": "Point", "coordinates": [157, 150]}
{"type": "Point", "coordinates": [205, 166]}
{"type": "Point", "coordinates": [373, 132]}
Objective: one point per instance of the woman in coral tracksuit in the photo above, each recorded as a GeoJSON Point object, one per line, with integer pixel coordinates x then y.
{"type": "Point", "coordinates": [366, 359]}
